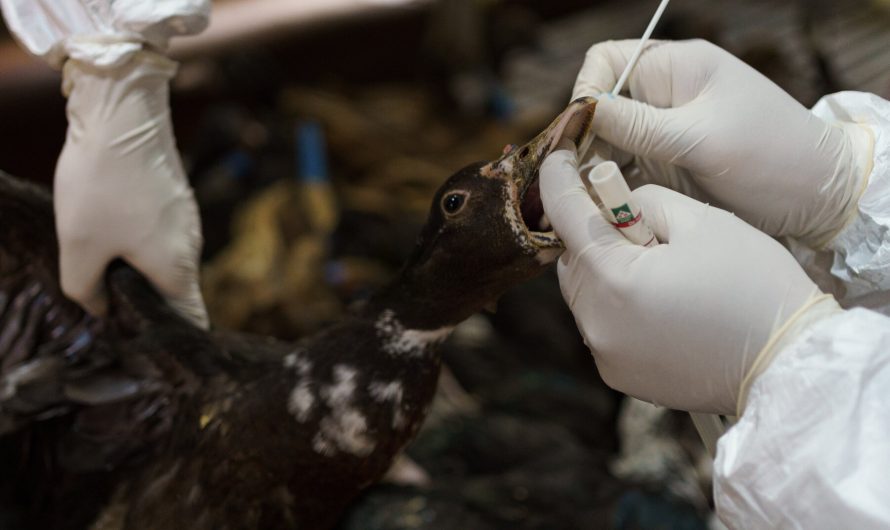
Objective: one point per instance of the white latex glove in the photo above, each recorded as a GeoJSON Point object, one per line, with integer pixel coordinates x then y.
{"type": "Point", "coordinates": [120, 189]}
{"type": "Point", "coordinates": [702, 122]}
{"type": "Point", "coordinates": [104, 33]}
{"type": "Point", "coordinates": [679, 324]}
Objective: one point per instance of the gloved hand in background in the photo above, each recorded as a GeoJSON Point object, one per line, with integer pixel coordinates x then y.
{"type": "Point", "coordinates": [120, 189]}
{"type": "Point", "coordinates": [681, 324]}
{"type": "Point", "coordinates": [702, 122]}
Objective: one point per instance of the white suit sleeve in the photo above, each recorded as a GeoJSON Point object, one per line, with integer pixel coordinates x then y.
{"type": "Point", "coordinates": [862, 248]}
{"type": "Point", "coordinates": [810, 450]}
{"type": "Point", "coordinates": [102, 33]}
{"type": "Point", "coordinates": [120, 187]}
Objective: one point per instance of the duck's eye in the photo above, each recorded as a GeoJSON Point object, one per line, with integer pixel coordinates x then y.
{"type": "Point", "coordinates": [453, 202]}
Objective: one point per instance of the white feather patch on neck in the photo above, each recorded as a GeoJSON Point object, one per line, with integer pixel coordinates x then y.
{"type": "Point", "coordinates": [400, 341]}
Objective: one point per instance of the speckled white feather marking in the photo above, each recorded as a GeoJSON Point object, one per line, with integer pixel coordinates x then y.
{"type": "Point", "coordinates": [385, 391]}
{"type": "Point", "coordinates": [391, 391]}
{"type": "Point", "coordinates": [301, 399]}
{"type": "Point", "coordinates": [400, 341]}
{"type": "Point", "coordinates": [290, 360]}
{"type": "Point", "coordinates": [299, 361]}
{"type": "Point", "coordinates": [322, 445]}
{"type": "Point", "coordinates": [345, 428]}
{"type": "Point", "coordinates": [340, 393]}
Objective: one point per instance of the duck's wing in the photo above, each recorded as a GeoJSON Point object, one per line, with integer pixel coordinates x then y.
{"type": "Point", "coordinates": [101, 390]}
{"type": "Point", "coordinates": [42, 333]}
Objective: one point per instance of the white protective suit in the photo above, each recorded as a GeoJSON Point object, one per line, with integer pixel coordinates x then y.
{"type": "Point", "coordinates": [814, 427]}
{"type": "Point", "coordinates": [120, 189]}
{"type": "Point", "coordinates": [748, 330]}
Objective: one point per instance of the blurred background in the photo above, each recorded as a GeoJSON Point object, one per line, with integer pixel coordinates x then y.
{"type": "Point", "coordinates": [315, 133]}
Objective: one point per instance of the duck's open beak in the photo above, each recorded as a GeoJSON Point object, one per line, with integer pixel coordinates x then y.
{"type": "Point", "coordinates": [520, 166]}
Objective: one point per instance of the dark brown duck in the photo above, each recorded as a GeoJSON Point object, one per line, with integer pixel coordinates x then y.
{"type": "Point", "coordinates": [142, 421]}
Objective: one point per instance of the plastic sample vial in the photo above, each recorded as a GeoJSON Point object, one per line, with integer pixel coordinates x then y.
{"type": "Point", "coordinates": [626, 215]}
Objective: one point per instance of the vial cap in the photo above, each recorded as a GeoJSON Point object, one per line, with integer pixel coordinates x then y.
{"type": "Point", "coordinates": [609, 184]}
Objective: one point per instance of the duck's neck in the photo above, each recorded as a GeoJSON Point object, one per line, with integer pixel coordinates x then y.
{"type": "Point", "coordinates": [425, 306]}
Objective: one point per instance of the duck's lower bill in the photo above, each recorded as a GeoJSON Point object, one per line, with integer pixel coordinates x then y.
{"type": "Point", "coordinates": [519, 167]}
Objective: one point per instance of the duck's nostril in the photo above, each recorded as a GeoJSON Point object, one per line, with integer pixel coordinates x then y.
{"type": "Point", "coordinates": [524, 152]}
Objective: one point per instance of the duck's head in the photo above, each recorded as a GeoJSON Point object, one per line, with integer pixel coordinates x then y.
{"type": "Point", "coordinates": [486, 230]}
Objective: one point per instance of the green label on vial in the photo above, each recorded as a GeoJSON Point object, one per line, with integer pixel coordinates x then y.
{"type": "Point", "coordinates": [622, 214]}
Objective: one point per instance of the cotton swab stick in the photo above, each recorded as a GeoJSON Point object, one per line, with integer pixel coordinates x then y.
{"type": "Point", "coordinates": [633, 58]}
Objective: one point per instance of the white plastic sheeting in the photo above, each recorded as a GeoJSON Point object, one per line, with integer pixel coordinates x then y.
{"type": "Point", "coordinates": [810, 450]}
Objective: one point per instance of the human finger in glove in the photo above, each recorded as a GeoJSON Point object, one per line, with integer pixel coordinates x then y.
{"type": "Point", "coordinates": [702, 122]}
{"type": "Point", "coordinates": [120, 189]}
{"type": "Point", "coordinates": [687, 323]}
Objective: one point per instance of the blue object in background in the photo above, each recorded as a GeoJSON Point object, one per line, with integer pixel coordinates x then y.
{"type": "Point", "coordinates": [311, 152]}
{"type": "Point", "coordinates": [237, 164]}
{"type": "Point", "coordinates": [638, 510]}
{"type": "Point", "coordinates": [501, 104]}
